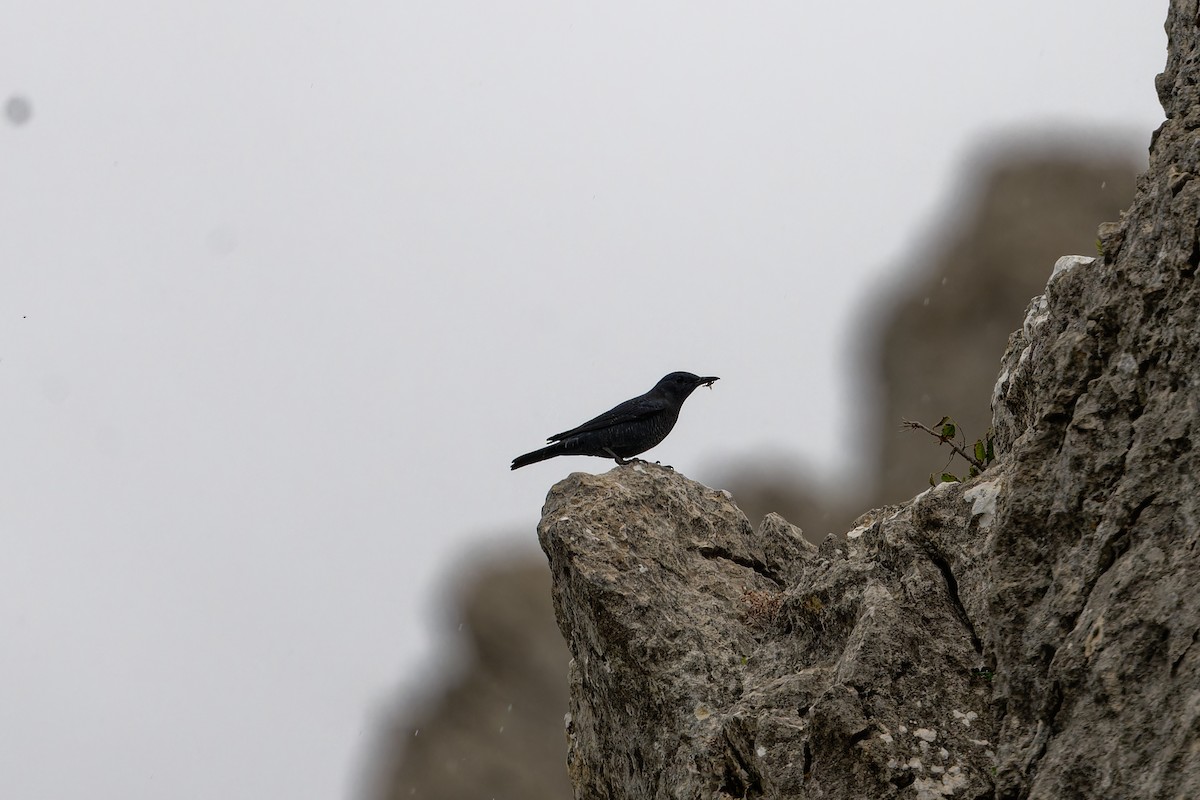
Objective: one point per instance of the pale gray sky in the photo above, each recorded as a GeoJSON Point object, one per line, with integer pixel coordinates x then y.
{"type": "Point", "coordinates": [284, 286]}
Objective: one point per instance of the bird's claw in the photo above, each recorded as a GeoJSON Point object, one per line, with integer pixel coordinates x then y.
{"type": "Point", "coordinates": [626, 461]}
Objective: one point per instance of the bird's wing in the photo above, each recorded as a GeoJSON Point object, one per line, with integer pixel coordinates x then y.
{"type": "Point", "coordinates": [630, 410]}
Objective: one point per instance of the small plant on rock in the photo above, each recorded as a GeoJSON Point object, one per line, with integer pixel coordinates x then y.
{"type": "Point", "coordinates": [979, 458]}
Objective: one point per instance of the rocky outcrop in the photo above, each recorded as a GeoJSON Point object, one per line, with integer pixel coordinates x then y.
{"type": "Point", "coordinates": [714, 660]}
{"type": "Point", "coordinates": [1028, 634]}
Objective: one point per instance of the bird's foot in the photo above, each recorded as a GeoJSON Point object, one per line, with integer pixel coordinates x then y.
{"type": "Point", "coordinates": [617, 458]}
{"type": "Point", "coordinates": [665, 466]}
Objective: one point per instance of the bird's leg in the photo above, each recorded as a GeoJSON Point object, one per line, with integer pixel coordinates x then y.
{"type": "Point", "coordinates": [617, 458]}
{"type": "Point", "coordinates": [624, 461]}
{"type": "Point", "coordinates": [665, 466]}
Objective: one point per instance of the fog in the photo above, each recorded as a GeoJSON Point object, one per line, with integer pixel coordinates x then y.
{"type": "Point", "coordinates": [285, 286]}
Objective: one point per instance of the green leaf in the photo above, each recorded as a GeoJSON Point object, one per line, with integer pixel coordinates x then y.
{"type": "Point", "coordinates": [949, 478]}
{"type": "Point", "coordinates": [991, 452]}
{"type": "Point", "coordinates": [980, 451]}
{"type": "Point", "coordinates": [974, 471]}
{"type": "Point", "coordinates": [948, 430]}
{"type": "Point", "coordinates": [932, 482]}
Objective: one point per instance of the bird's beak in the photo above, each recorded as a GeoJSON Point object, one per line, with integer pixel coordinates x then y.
{"type": "Point", "coordinates": [707, 382]}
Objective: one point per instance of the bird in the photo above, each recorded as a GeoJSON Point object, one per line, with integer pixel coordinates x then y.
{"type": "Point", "coordinates": [627, 430]}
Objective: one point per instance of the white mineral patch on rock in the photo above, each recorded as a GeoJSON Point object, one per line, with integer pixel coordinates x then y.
{"type": "Point", "coordinates": [982, 498]}
{"type": "Point", "coordinates": [965, 718]}
{"type": "Point", "coordinates": [1038, 313]}
{"type": "Point", "coordinates": [933, 789]}
{"type": "Point", "coordinates": [1068, 263]}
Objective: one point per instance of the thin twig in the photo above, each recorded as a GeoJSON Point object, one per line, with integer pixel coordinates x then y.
{"type": "Point", "coordinates": [945, 440]}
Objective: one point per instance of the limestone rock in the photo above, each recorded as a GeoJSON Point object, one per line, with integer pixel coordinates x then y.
{"type": "Point", "coordinates": [708, 664]}
{"type": "Point", "coordinates": [1028, 634]}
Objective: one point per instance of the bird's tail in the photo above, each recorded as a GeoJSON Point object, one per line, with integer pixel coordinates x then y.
{"type": "Point", "coordinates": [556, 449]}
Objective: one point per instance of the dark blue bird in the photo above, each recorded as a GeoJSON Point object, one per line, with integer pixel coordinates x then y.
{"type": "Point", "coordinates": [627, 430]}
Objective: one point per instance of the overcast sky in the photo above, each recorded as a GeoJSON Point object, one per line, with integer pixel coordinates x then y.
{"type": "Point", "coordinates": [284, 286]}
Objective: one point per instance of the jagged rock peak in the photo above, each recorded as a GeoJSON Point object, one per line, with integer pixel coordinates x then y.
{"type": "Point", "coordinates": [711, 659]}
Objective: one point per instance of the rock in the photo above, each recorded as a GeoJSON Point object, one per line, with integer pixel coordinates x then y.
{"type": "Point", "coordinates": [1027, 634]}
{"type": "Point", "coordinates": [1095, 532]}
{"type": "Point", "coordinates": [707, 665]}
